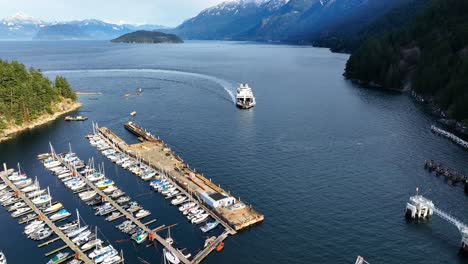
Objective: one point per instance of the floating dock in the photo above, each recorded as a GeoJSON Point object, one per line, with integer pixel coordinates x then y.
{"type": "Point", "coordinates": [159, 156]}
{"type": "Point", "coordinates": [52, 226]}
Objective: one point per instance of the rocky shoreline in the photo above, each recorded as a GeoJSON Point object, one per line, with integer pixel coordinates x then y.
{"type": "Point", "coordinates": [62, 108]}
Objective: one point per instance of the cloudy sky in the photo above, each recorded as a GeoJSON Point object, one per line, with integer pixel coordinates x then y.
{"type": "Point", "coordinates": [165, 12]}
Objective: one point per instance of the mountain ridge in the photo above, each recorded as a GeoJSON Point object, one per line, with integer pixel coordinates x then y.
{"type": "Point", "coordinates": [23, 27]}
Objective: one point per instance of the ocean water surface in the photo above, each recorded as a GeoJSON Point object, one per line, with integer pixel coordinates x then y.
{"type": "Point", "coordinates": [329, 164]}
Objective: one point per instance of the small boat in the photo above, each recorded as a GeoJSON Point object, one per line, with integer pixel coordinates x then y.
{"type": "Point", "coordinates": [82, 237]}
{"type": "Point", "coordinates": [58, 258]}
{"type": "Point", "coordinates": [53, 208]}
{"type": "Point", "coordinates": [34, 228]}
{"type": "Point", "coordinates": [187, 206]}
{"type": "Point", "coordinates": [23, 183]}
{"type": "Point", "coordinates": [91, 244]}
{"type": "Point", "coordinates": [36, 193]}
{"type": "Point", "coordinates": [27, 218]}
{"type": "Point", "coordinates": [110, 189]}
{"type": "Point", "coordinates": [30, 188]}
{"type": "Point", "coordinates": [209, 241]}
{"type": "Point", "coordinates": [21, 211]}
{"type": "Point", "coordinates": [220, 246]}
{"type": "Point", "coordinates": [104, 184]}
{"type": "Point", "coordinates": [16, 206]}
{"type": "Point", "coordinates": [139, 236]}
{"type": "Point", "coordinates": [142, 213]}
{"type": "Point", "coordinates": [77, 118]}
{"type": "Point", "coordinates": [68, 226]}
{"type": "Point", "coordinates": [108, 254]}
{"type": "Point", "coordinates": [171, 257]}
{"type": "Point", "coordinates": [87, 196]}
{"type": "Point", "coordinates": [112, 260]}
{"type": "Point", "coordinates": [42, 234]}
{"type": "Point", "coordinates": [123, 199]}
{"type": "Point", "coordinates": [95, 177]}
{"type": "Point", "coordinates": [209, 226]}
{"type": "Point", "coordinates": [113, 216]}
{"type": "Point", "coordinates": [62, 214]}
{"type": "Point", "coordinates": [77, 231]}
{"type": "Point", "coordinates": [75, 261]}
{"type": "Point", "coordinates": [100, 251]}
{"type": "Point", "coordinates": [2, 258]}
{"type": "Point", "coordinates": [133, 113]}
{"type": "Point", "coordinates": [43, 199]}
{"type": "Point", "coordinates": [178, 200]}
{"type": "Point", "coordinates": [117, 193]}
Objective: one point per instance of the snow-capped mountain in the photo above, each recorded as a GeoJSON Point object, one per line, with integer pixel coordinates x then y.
{"type": "Point", "coordinates": [228, 19]}
{"type": "Point", "coordinates": [282, 19]}
{"type": "Point", "coordinates": [20, 26]}
{"type": "Point", "coordinates": [23, 27]}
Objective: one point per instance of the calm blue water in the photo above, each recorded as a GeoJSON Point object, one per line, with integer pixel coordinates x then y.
{"type": "Point", "coordinates": [330, 165]}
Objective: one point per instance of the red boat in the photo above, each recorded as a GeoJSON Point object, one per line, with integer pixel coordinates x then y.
{"type": "Point", "coordinates": [220, 246]}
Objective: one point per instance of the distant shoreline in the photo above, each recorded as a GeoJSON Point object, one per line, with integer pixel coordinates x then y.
{"type": "Point", "coordinates": [10, 132]}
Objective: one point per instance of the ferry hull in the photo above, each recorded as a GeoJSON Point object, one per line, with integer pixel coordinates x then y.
{"type": "Point", "coordinates": [242, 106]}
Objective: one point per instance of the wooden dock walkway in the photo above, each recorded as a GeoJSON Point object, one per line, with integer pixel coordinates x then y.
{"type": "Point", "coordinates": [52, 226]}
{"type": "Point", "coordinates": [128, 215]}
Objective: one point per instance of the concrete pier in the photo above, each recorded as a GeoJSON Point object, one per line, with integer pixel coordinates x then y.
{"type": "Point", "coordinates": [160, 157]}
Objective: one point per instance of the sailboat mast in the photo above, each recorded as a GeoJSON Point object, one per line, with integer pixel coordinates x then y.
{"type": "Point", "coordinates": [78, 218]}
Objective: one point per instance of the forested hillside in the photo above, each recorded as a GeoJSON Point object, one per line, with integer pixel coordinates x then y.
{"type": "Point", "coordinates": [430, 57]}
{"type": "Point", "coordinates": [26, 94]}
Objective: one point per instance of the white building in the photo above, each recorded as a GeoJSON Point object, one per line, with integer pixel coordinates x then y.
{"type": "Point", "coordinates": [216, 199]}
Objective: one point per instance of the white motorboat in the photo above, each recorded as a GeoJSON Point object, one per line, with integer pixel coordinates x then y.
{"type": "Point", "coordinates": [112, 260]}
{"type": "Point", "coordinates": [200, 218]}
{"type": "Point", "coordinates": [88, 195]}
{"type": "Point", "coordinates": [53, 208]}
{"type": "Point", "coordinates": [23, 183]}
{"type": "Point", "coordinates": [99, 251]}
{"type": "Point", "coordinates": [33, 229]}
{"type": "Point", "coordinates": [110, 189]}
{"type": "Point", "coordinates": [62, 214]}
{"type": "Point", "coordinates": [142, 213]}
{"type": "Point", "coordinates": [52, 164]}
{"type": "Point", "coordinates": [178, 200]}
{"type": "Point", "coordinates": [58, 258]}
{"type": "Point", "coordinates": [43, 199]}
{"type": "Point", "coordinates": [91, 244]}
{"type": "Point", "coordinates": [171, 257]}
{"type": "Point", "coordinates": [36, 193]}
{"type": "Point", "coordinates": [21, 211]}
{"type": "Point", "coordinates": [187, 206]}
{"type": "Point", "coordinates": [107, 255]}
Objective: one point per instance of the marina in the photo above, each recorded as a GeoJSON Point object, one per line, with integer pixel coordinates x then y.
{"type": "Point", "coordinates": [42, 217]}
{"type": "Point", "coordinates": [110, 205]}
{"type": "Point", "coordinates": [200, 197]}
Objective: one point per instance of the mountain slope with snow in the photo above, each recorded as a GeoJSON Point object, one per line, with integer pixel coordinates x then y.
{"type": "Point", "coordinates": [283, 20]}
{"type": "Point", "coordinates": [24, 27]}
